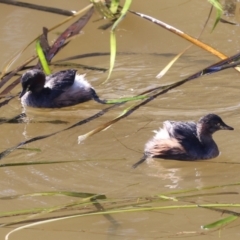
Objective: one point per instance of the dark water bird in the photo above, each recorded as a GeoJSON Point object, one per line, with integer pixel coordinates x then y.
{"type": "Point", "coordinates": [185, 140]}
{"type": "Point", "coordinates": [60, 89]}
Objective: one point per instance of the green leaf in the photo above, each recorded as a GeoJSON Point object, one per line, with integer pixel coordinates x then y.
{"type": "Point", "coordinates": [128, 99]}
{"type": "Point", "coordinates": [113, 50]}
{"type": "Point", "coordinates": [92, 196]}
{"type": "Point", "coordinates": [168, 198]}
{"type": "Point", "coordinates": [34, 163]}
{"type": "Point", "coordinates": [42, 58]}
{"type": "Point", "coordinates": [219, 9]}
{"type": "Point", "coordinates": [31, 149]}
{"type": "Point", "coordinates": [103, 9]}
{"type": "Point", "coordinates": [219, 223]}
{"type": "Point", "coordinates": [113, 44]}
{"type": "Point", "coordinates": [114, 6]}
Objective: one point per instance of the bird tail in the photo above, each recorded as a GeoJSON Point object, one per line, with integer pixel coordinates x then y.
{"type": "Point", "coordinates": [96, 97]}
{"type": "Point", "coordinates": [143, 159]}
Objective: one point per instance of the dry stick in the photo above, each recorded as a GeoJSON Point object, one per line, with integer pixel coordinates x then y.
{"type": "Point", "coordinates": [203, 72]}
{"type": "Point", "coordinates": [108, 53]}
{"type": "Point", "coordinates": [10, 75]}
{"type": "Point", "coordinates": [39, 7]}
{"type": "Point", "coordinates": [231, 23]}
{"type": "Point", "coordinates": [230, 62]}
{"type": "Point", "coordinates": [86, 55]}
{"type": "Point", "coordinates": [209, 70]}
{"type": "Point", "coordinates": [183, 35]}
{"type": "Point", "coordinates": [166, 88]}
{"type": "Point", "coordinates": [13, 84]}
{"type": "Point", "coordinates": [6, 101]}
{"type": "Point", "coordinates": [99, 114]}
{"type": "Point", "coordinates": [169, 65]}
{"type": "Point", "coordinates": [7, 66]}
{"type": "Point", "coordinates": [56, 64]}
{"type": "Point", "coordinates": [72, 30]}
{"type": "Point", "coordinates": [221, 210]}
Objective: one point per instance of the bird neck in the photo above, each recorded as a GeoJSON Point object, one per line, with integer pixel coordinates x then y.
{"type": "Point", "coordinates": [209, 147]}
{"type": "Point", "coordinates": [37, 86]}
{"type": "Point", "coordinates": [204, 136]}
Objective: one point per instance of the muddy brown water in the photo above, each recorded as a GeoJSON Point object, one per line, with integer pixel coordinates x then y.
{"type": "Point", "coordinates": [105, 159]}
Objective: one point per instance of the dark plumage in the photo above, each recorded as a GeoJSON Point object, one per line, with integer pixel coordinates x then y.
{"type": "Point", "coordinates": [60, 89]}
{"type": "Point", "coordinates": [185, 140]}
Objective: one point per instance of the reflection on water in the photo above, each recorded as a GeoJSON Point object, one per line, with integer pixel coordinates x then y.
{"type": "Point", "coordinates": [159, 171]}
{"type": "Point", "coordinates": [198, 180]}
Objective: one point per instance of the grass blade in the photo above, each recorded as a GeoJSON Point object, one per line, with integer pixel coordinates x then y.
{"type": "Point", "coordinates": [97, 115]}
{"type": "Point", "coordinates": [58, 44]}
{"type": "Point", "coordinates": [127, 210]}
{"type": "Point", "coordinates": [113, 48]}
{"type": "Point", "coordinates": [127, 99]}
{"type": "Point", "coordinates": [11, 61]}
{"type": "Point", "coordinates": [181, 34]}
{"type": "Point", "coordinates": [114, 6]}
{"type": "Point", "coordinates": [169, 65]}
{"type": "Point", "coordinates": [58, 193]}
{"type": "Point", "coordinates": [71, 31]}
{"type": "Point", "coordinates": [42, 58]}
{"type": "Point", "coordinates": [34, 163]}
{"type": "Point", "coordinates": [103, 9]}
{"type": "Point", "coordinates": [220, 223]}
{"type": "Point", "coordinates": [219, 9]}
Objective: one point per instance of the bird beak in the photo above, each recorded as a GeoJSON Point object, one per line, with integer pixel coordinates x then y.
{"type": "Point", "coordinates": [226, 127]}
{"type": "Point", "coordinates": [23, 92]}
